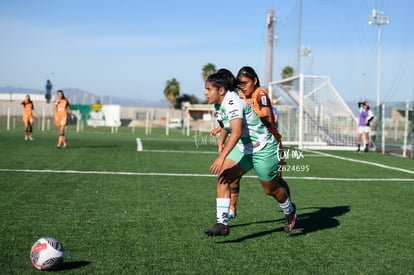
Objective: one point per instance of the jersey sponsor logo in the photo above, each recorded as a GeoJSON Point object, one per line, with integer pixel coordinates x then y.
{"type": "Point", "coordinates": [256, 144]}
{"type": "Point", "coordinates": [231, 102]}
{"type": "Point", "coordinates": [273, 174]}
{"type": "Point", "coordinates": [233, 113]}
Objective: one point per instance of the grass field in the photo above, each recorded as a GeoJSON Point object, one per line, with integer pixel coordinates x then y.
{"type": "Point", "coordinates": [119, 211]}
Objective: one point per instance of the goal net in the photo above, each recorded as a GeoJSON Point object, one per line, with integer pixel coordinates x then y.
{"type": "Point", "coordinates": [312, 114]}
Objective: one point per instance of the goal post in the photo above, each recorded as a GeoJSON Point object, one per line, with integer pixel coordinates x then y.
{"type": "Point", "coordinates": [312, 114]}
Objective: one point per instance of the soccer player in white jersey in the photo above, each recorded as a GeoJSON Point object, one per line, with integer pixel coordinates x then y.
{"type": "Point", "coordinates": [249, 145]}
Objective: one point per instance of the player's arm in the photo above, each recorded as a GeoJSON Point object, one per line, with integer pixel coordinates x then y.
{"type": "Point", "coordinates": [267, 116]}
{"type": "Point", "coordinates": [222, 139]}
{"type": "Point", "coordinates": [265, 106]}
{"type": "Point", "coordinates": [55, 106]}
{"type": "Point", "coordinates": [236, 131]}
{"type": "Point", "coordinates": [35, 114]}
{"type": "Point", "coordinates": [370, 117]}
{"type": "Point", "coordinates": [70, 111]}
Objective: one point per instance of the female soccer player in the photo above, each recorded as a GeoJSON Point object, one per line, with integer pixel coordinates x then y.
{"type": "Point", "coordinates": [61, 108]}
{"type": "Point", "coordinates": [365, 118]}
{"type": "Point", "coordinates": [250, 145]}
{"type": "Point", "coordinates": [249, 86]}
{"type": "Point", "coordinates": [28, 108]}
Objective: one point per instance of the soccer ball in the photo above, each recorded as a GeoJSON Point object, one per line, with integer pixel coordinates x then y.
{"type": "Point", "coordinates": [47, 253]}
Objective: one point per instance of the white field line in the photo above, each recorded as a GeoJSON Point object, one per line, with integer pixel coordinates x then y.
{"type": "Point", "coordinates": [366, 162]}
{"type": "Point", "coordinates": [186, 175]}
{"type": "Point", "coordinates": [179, 151]}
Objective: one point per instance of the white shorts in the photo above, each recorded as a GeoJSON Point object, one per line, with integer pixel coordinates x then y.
{"type": "Point", "coordinates": [363, 129]}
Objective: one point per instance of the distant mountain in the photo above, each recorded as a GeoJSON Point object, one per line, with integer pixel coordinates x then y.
{"type": "Point", "coordinates": [78, 96]}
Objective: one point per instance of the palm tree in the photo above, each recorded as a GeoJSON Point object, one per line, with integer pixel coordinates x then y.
{"type": "Point", "coordinates": [208, 69]}
{"type": "Point", "coordinates": [286, 73]}
{"type": "Point", "coordinates": [171, 91]}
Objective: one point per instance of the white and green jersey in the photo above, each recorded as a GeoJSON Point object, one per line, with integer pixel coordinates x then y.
{"type": "Point", "coordinates": [254, 133]}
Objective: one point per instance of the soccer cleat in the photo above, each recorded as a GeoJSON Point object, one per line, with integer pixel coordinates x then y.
{"type": "Point", "coordinates": [366, 150]}
{"type": "Point", "coordinates": [218, 229]}
{"type": "Point", "coordinates": [290, 220]}
{"type": "Point", "coordinates": [58, 146]}
{"type": "Point", "coordinates": [65, 146]}
{"type": "Point", "coordinates": [232, 214]}
{"type": "Point", "coordinates": [31, 139]}
{"type": "Point", "coordinates": [26, 137]}
{"type": "Point", "coordinates": [358, 150]}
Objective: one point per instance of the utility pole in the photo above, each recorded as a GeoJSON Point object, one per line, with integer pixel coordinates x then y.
{"type": "Point", "coordinates": [270, 36]}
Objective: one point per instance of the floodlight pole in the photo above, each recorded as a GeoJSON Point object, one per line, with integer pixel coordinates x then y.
{"type": "Point", "coordinates": [379, 19]}
{"type": "Point", "coordinates": [271, 18]}
{"type": "Point", "coordinates": [299, 39]}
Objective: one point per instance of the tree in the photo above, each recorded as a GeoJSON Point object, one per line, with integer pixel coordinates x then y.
{"type": "Point", "coordinates": [185, 98]}
{"type": "Point", "coordinates": [171, 91]}
{"type": "Point", "coordinates": [287, 72]}
{"type": "Point", "coordinates": [208, 69]}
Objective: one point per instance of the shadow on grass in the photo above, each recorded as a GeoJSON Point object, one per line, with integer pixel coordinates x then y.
{"type": "Point", "coordinates": [322, 218]}
{"type": "Point", "coordinates": [72, 265]}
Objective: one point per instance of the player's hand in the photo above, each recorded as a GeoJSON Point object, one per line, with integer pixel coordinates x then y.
{"type": "Point", "coordinates": [214, 132]}
{"type": "Point", "coordinates": [216, 166]}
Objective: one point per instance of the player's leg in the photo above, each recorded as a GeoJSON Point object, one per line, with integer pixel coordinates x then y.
{"type": "Point", "coordinates": [281, 153]}
{"type": "Point", "coordinates": [62, 135]}
{"type": "Point", "coordinates": [233, 169]}
{"type": "Point", "coordinates": [366, 141]}
{"type": "Point", "coordinates": [266, 165]}
{"type": "Point", "coordinates": [234, 195]}
{"type": "Point", "coordinates": [30, 128]}
{"type": "Point", "coordinates": [359, 137]}
{"type": "Point", "coordinates": [61, 138]}
{"type": "Point", "coordinates": [26, 129]}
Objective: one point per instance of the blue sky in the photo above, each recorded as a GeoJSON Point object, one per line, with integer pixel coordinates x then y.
{"type": "Point", "coordinates": [131, 48]}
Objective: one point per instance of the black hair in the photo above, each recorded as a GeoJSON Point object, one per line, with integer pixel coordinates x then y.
{"type": "Point", "coordinates": [232, 79]}
{"type": "Point", "coordinates": [249, 72]}
{"type": "Point", "coordinates": [63, 94]}
{"type": "Point", "coordinates": [220, 80]}
{"type": "Point", "coordinates": [30, 101]}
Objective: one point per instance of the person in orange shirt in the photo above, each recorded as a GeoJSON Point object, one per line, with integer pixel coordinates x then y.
{"type": "Point", "coordinates": [61, 108]}
{"type": "Point", "coordinates": [28, 108]}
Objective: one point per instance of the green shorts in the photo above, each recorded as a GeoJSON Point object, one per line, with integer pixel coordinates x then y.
{"type": "Point", "coordinates": [265, 163]}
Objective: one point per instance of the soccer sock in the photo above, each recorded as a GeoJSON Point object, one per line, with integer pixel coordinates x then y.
{"type": "Point", "coordinates": [359, 146]}
{"type": "Point", "coordinates": [234, 194]}
{"type": "Point", "coordinates": [287, 206]}
{"type": "Point", "coordinates": [223, 205]}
